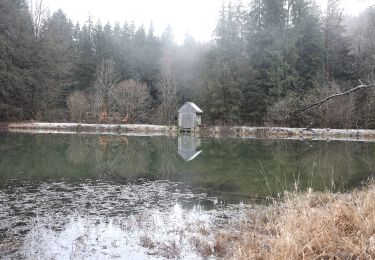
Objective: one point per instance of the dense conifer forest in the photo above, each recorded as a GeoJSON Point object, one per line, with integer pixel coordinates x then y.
{"type": "Point", "coordinates": [266, 60]}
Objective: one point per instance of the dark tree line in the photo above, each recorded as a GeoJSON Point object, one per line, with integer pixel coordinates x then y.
{"type": "Point", "coordinates": [274, 57]}
{"type": "Point", "coordinates": [265, 60]}
{"type": "Point", "coordinates": [50, 67]}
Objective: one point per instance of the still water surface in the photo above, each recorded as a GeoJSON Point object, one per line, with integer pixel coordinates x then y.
{"type": "Point", "coordinates": [114, 196]}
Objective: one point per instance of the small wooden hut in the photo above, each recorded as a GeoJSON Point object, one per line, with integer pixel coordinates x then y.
{"type": "Point", "coordinates": [189, 117]}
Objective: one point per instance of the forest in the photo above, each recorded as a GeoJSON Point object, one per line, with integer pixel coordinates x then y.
{"type": "Point", "coordinates": [266, 61]}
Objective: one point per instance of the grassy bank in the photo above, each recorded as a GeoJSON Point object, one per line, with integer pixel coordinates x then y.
{"type": "Point", "coordinates": [312, 225]}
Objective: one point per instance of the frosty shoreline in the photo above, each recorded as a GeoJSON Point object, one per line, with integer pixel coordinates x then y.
{"type": "Point", "coordinates": [217, 131]}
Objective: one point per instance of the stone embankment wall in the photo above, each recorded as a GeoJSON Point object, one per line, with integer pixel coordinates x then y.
{"type": "Point", "coordinates": [91, 128]}
{"type": "Point", "coordinates": [218, 131]}
{"type": "Point", "coordinates": [292, 133]}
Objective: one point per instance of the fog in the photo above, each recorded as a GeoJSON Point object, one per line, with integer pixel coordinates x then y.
{"type": "Point", "coordinates": [193, 17]}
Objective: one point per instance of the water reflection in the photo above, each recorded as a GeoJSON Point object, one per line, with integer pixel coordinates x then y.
{"type": "Point", "coordinates": [236, 169]}
{"type": "Point", "coordinates": [188, 147]}
{"type": "Point", "coordinates": [101, 196]}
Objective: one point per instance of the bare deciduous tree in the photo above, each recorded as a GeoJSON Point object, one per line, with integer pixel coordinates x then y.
{"type": "Point", "coordinates": [106, 79]}
{"type": "Point", "coordinates": [39, 15]}
{"type": "Point", "coordinates": [78, 106]}
{"type": "Point", "coordinates": [167, 109]}
{"type": "Point", "coordinates": [131, 100]}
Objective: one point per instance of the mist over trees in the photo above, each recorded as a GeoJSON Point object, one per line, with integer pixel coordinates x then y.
{"type": "Point", "coordinates": [265, 60]}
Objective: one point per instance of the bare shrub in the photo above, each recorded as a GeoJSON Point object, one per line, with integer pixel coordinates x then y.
{"type": "Point", "coordinates": [131, 101]}
{"type": "Point", "coordinates": [78, 106]}
{"type": "Point", "coordinates": [278, 114]}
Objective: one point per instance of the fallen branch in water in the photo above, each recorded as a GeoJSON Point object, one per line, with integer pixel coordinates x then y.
{"type": "Point", "coordinates": [321, 102]}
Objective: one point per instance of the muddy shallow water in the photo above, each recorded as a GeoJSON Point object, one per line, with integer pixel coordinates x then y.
{"type": "Point", "coordinates": [100, 196]}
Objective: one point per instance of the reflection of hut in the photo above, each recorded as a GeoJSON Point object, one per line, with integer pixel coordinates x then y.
{"type": "Point", "coordinates": [189, 117]}
{"type": "Point", "coordinates": [188, 147]}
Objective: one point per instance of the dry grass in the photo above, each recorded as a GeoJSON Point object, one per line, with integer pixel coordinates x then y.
{"type": "Point", "coordinates": [170, 250]}
{"type": "Point", "coordinates": [146, 242]}
{"type": "Point", "coordinates": [202, 246]}
{"type": "Point", "coordinates": [313, 225]}
{"type": "Point", "coordinates": [9, 247]}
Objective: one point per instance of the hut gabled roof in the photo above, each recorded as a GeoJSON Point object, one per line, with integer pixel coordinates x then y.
{"type": "Point", "coordinates": [190, 107]}
{"type": "Point", "coordinates": [189, 155]}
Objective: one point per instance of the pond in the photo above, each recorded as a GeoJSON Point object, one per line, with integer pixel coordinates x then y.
{"type": "Point", "coordinates": [147, 197]}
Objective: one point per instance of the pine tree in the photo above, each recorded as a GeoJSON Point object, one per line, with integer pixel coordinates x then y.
{"type": "Point", "coordinates": [57, 68]}
{"type": "Point", "coordinates": [339, 60]}
{"type": "Point", "coordinates": [85, 66]}
{"type": "Point", "coordinates": [366, 46]}
{"type": "Point", "coordinates": [16, 34]}
{"type": "Point", "coordinates": [99, 43]}
{"type": "Point", "coordinates": [308, 41]}
{"type": "Point", "coordinates": [266, 81]}
{"type": "Point", "coordinates": [222, 95]}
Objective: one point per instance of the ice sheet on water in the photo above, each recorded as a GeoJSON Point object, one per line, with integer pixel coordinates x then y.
{"type": "Point", "coordinates": [148, 219]}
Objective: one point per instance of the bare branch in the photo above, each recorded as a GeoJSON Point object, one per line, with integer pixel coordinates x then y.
{"type": "Point", "coordinates": [38, 13]}
{"type": "Point", "coordinates": [321, 102]}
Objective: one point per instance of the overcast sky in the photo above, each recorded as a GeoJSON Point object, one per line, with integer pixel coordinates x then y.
{"type": "Point", "coordinates": [195, 17]}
